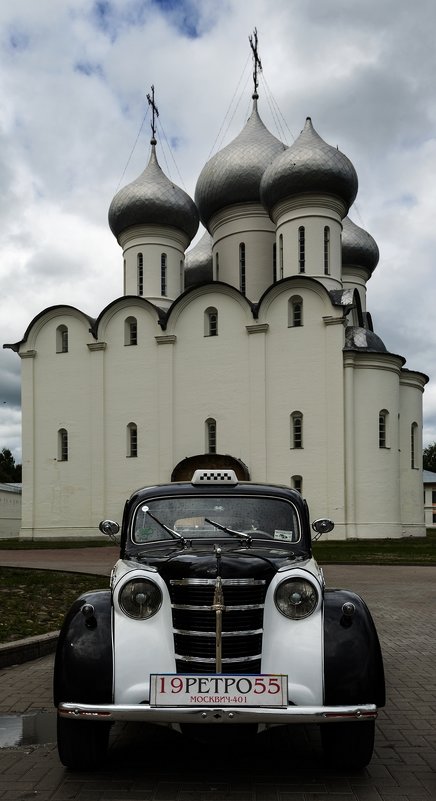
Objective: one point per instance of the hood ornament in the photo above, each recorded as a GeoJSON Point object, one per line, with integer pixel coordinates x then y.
{"type": "Point", "coordinates": [218, 607]}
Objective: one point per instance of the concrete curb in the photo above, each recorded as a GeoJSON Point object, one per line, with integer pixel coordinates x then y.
{"type": "Point", "coordinates": [19, 651]}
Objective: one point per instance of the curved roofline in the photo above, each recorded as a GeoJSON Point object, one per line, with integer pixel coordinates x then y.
{"type": "Point", "coordinates": [204, 284]}
{"type": "Point", "coordinates": [282, 281]}
{"type": "Point", "coordinates": [15, 346]}
{"type": "Point", "coordinates": [122, 299]}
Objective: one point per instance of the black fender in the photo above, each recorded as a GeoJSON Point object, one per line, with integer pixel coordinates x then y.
{"type": "Point", "coordinates": [353, 662]}
{"type": "Point", "coordinates": [83, 670]}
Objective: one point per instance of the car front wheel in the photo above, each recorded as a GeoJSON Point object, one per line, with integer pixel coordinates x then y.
{"type": "Point", "coordinates": [348, 745]}
{"type": "Point", "coordinates": [82, 744]}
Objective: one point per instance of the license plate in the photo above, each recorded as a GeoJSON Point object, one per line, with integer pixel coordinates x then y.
{"type": "Point", "coordinates": [176, 689]}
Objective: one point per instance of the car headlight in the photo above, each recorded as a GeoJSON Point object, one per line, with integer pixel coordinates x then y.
{"type": "Point", "coordinates": [140, 598]}
{"type": "Point", "coordinates": [296, 598]}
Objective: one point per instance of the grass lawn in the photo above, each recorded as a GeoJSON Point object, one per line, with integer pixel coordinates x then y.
{"type": "Point", "coordinates": [35, 601]}
{"type": "Point", "coordinates": [408, 551]}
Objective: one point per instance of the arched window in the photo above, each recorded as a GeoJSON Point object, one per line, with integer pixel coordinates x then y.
{"type": "Point", "coordinates": [62, 445]}
{"type": "Point", "coordinates": [414, 445]}
{"type": "Point", "coordinates": [274, 262]}
{"type": "Point", "coordinates": [130, 331]}
{"type": "Point", "coordinates": [211, 322]}
{"type": "Point", "coordinates": [140, 273]}
{"type": "Point", "coordinates": [163, 274]}
{"type": "Point", "coordinates": [132, 440]}
{"type": "Point", "coordinates": [295, 311]}
{"type": "Point", "coordinates": [281, 256]}
{"type": "Point", "coordinates": [62, 339]}
{"type": "Point", "coordinates": [326, 250]}
{"type": "Point", "coordinates": [383, 419]}
{"type": "Point", "coordinates": [217, 266]}
{"type": "Point", "coordinates": [242, 284]}
{"type": "Point", "coordinates": [210, 435]}
{"type": "Point", "coordinates": [301, 249]}
{"type": "Point", "coordinates": [297, 483]}
{"type": "Point", "coordinates": [296, 430]}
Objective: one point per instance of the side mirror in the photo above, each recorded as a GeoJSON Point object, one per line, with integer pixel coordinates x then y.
{"type": "Point", "coordinates": [109, 527]}
{"type": "Point", "coordinates": [322, 526]}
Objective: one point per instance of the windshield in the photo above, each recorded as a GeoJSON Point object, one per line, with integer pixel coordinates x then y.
{"type": "Point", "coordinates": [211, 517]}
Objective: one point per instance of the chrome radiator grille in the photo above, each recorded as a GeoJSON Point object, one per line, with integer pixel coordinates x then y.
{"type": "Point", "coordinates": [194, 623]}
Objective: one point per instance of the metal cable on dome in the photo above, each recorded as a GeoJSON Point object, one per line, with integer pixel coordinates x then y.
{"type": "Point", "coordinates": [132, 150]}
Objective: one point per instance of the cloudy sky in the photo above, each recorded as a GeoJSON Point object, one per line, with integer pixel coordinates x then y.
{"type": "Point", "coordinates": [74, 77]}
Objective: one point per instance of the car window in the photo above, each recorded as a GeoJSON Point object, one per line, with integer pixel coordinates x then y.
{"type": "Point", "coordinates": [202, 516]}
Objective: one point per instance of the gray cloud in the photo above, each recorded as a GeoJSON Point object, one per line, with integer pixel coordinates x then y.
{"type": "Point", "coordinates": [73, 81]}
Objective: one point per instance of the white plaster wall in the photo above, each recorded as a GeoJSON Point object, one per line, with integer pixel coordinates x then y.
{"type": "Point", "coordinates": [251, 225]}
{"type": "Point", "coordinates": [60, 391]}
{"type": "Point", "coordinates": [429, 506]}
{"type": "Point", "coordinates": [412, 505]}
{"type": "Point", "coordinates": [374, 471]}
{"type": "Point", "coordinates": [304, 373]}
{"type": "Point", "coordinates": [10, 513]}
{"type": "Point", "coordinates": [152, 241]}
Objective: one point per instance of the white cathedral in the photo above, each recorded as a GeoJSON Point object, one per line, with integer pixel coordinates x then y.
{"type": "Point", "coordinates": [252, 350]}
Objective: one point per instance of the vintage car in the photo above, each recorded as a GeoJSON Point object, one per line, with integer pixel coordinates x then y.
{"type": "Point", "coordinates": [217, 615]}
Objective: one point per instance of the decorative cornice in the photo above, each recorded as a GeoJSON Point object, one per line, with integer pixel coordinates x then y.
{"type": "Point", "coordinates": [334, 320]}
{"type": "Point", "coordinates": [257, 328]}
{"type": "Point", "coordinates": [166, 339]}
{"type": "Point", "coordinates": [97, 346]}
{"type": "Point", "coordinates": [28, 354]}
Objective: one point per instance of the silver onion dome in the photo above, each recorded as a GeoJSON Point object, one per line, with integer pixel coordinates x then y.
{"type": "Point", "coordinates": [153, 198]}
{"type": "Point", "coordinates": [360, 339]}
{"type": "Point", "coordinates": [198, 262]}
{"type": "Point", "coordinates": [233, 175]}
{"type": "Point", "coordinates": [309, 165]}
{"type": "Point", "coordinates": [358, 246]}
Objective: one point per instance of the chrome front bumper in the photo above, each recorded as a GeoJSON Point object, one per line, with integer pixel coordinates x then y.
{"type": "Point", "coordinates": [217, 714]}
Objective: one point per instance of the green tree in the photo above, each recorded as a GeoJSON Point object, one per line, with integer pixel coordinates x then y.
{"type": "Point", "coordinates": [9, 471]}
{"type": "Point", "coordinates": [429, 457]}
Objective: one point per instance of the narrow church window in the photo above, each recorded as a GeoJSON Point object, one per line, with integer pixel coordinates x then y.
{"type": "Point", "coordinates": [301, 249]}
{"type": "Point", "coordinates": [131, 331]}
{"type": "Point", "coordinates": [182, 276]}
{"type": "Point", "coordinates": [62, 339]}
{"type": "Point", "coordinates": [210, 435]}
{"type": "Point", "coordinates": [211, 322]}
{"type": "Point", "coordinates": [383, 428]}
{"type": "Point", "coordinates": [163, 274]}
{"type": "Point", "coordinates": [295, 312]}
{"type": "Point", "coordinates": [413, 445]}
{"type": "Point", "coordinates": [242, 285]}
{"type": "Point", "coordinates": [274, 262]}
{"type": "Point", "coordinates": [297, 483]}
{"type": "Point", "coordinates": [140, 273]}
{"type": "Point", "coordinates": [62, 445]}
{"type": "Point", "coordinates": [296, 430]}
{"type": "Point", "coordinates": [326, 250]}
{"type": "Point", "coordinates": [217, 266]}
{"type": "Point", "coordinates": [132, 440]}
{"type": "Point", "coordinates": [281, 255]}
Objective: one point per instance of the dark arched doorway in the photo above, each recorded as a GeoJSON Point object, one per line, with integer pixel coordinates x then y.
{"type": "Point", "coordinates": [185, 469]}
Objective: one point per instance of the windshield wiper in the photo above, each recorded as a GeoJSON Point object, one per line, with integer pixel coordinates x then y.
{"type": "Point", "coordinates": [241, 534]}
{"type": "Point", "coordinates": [174, 534]}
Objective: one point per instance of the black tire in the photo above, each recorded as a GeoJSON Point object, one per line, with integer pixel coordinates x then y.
{"type": "Point", "coordinates": [82, 744]}
{"type": "Point", "coordinates": [348, 745]}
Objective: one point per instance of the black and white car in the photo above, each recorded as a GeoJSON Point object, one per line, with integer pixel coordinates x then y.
{"type": "Point", "coordinates": [217, 615]}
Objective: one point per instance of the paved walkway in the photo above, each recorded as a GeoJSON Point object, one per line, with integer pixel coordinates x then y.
{"type": "Point", "coordinates": [155, 765]}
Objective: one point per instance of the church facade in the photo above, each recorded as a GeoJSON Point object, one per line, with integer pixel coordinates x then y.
{"type": "Point", "coordinates": [252, 350]}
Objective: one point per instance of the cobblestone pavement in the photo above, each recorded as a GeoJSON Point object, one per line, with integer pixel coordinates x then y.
{"type": "Point", "coordinates": [151, 764]}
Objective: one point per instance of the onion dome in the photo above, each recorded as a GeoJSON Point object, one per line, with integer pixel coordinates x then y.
{"type": "Point", "coordinates": [358, 246]}
{"type": "Point", "coordinates": [309, 165]}
{"type": "Point", "coordinates": [233, 175]}
{"type": "Point", "coordinates": [198, 262]}
{"type": "Point", "coordinates": [153, 198]}
{"type": "Point", "coordinates": [357, 338]}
